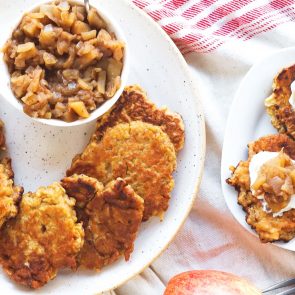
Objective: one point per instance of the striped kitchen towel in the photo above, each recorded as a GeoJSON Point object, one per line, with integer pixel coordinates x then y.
{"type": "Point", "coordinates": [204, 25]}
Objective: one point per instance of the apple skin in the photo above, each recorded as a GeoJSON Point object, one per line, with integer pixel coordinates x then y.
{"type": "Point", "coordinates": [209, 282]}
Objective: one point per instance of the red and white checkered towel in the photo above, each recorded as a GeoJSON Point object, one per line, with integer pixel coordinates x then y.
{"type": "Point", "coordinates": [204, 25]}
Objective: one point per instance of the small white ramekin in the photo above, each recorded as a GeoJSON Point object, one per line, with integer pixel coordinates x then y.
{"type": "Point", "coordinates": [112, 26]}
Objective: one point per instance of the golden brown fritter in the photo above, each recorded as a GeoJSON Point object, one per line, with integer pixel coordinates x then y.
{"type": "Point", "coordinates": [111, 219]}
{"type": "Point", "coordinates": [114, 219]}
{"type": "Point", "coordinates": [43, 238]}
{"type": "Point", "coordinates": [2, 137]}
{"type": "Point", "coordinates": [140, 153]}
{"type": "Point", "coordinates": [9, 194]}
{"type": "Point", "coordinates": [278, 106]}
{"type": "Point", "coordinates": [269, 228]}
{"type": "Point", "coordinates": [82, 188]}
{"type": "Point", "coordinates": [134, 105]}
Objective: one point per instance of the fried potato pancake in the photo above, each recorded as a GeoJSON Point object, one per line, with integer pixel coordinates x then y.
{"type": "Point", "coordinates": [278, 106]}
{"type": "Point", "coordinates": [138, 152]}
{"type": "Point", "coordinates": [268, 228]}
{"type": "Point", "coordinates": [9, 194]}
{"type": "Point", "coordinates": [111, 219]}
{"type": "Point", "coordinates": [43, 238]}
{"type": "Point", "coordinates": [133, 105]}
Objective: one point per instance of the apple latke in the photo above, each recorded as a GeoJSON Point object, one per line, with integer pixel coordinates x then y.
{"type": "Point", "coordinates": [43, 238]}
{"type": "Point", "coordinates": [133, 105]}
{"type": "Point", "coordinates": [277, 104]}
{"type": "Point", "coordinates": [111, 219]}
{"type": "Point", "coordinates": [268, 227]}
{"type": "Point", "coordinates": [140, 153]}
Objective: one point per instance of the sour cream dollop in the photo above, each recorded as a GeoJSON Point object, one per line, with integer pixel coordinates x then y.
{"type": "Point", "coordinates": [256, 163]}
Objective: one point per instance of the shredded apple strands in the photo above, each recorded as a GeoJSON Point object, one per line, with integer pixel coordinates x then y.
{"type": "Point", "coordinates": [63, 63]}
{"type": "Point", "coordinates": [276, 181]}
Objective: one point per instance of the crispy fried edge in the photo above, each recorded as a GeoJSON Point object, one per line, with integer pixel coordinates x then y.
{"type": "Point", "coordinates": [17, 190]}
{"type": "Point", "coordinates": [82, 188]}
{"type": "Point", "coordinates": [281, 112]}
{"type": "Point", "coordinates": [133, 105]}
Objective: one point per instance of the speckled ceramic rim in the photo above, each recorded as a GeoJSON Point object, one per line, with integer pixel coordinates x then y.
{"type": "Point", "coordinates": [113, 26]}
{"type": "Point", "coordinates": [202, 149]}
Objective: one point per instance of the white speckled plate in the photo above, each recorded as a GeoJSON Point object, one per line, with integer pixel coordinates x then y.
{"type": "Point", "coordinates": [248, 121]}
{"type": "Point", "coordinates": [42, 153]}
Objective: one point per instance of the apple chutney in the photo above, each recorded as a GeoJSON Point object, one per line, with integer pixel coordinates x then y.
{"type": "Point", "coordinates": [63, 62]}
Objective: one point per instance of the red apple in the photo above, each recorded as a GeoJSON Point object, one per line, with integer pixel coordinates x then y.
{"type": "Point", "coordinates": [205, 282]}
